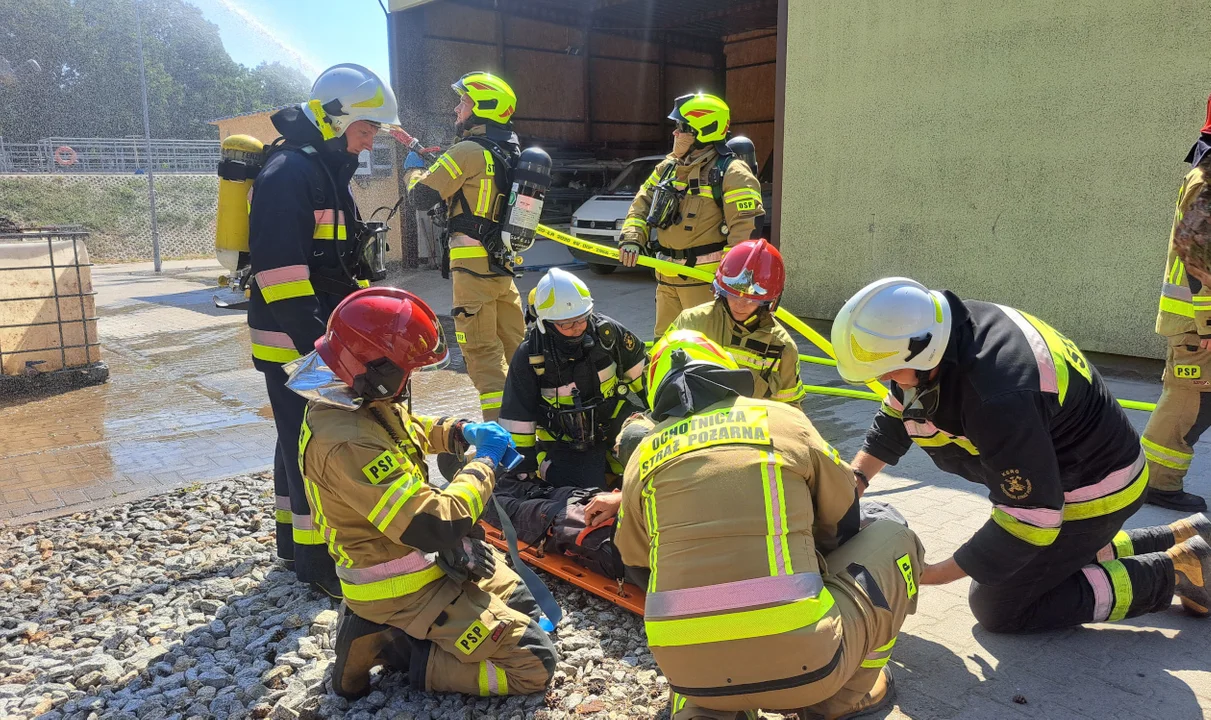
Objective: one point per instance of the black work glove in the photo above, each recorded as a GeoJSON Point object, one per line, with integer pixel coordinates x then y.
{"type": "Point", "coordinates": [472, 558]}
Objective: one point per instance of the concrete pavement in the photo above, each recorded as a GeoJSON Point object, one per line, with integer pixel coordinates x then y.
{"type": "Point", "coordinates": [184, 405]}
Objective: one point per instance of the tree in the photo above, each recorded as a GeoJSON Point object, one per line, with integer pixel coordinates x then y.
{"type": "Point", "coordinates": [88, 83]}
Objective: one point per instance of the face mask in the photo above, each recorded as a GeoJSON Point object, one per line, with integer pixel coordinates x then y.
{"type": "Point", "coordinates": [682, 142]}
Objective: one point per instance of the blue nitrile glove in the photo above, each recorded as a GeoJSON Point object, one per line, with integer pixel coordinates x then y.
{"type": "Point", "coordinates": [413, 161]}
{"type": "Point", "coordinates": [490, 440]}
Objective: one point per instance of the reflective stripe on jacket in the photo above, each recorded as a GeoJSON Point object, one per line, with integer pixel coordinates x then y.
{"type": "Point", "coordinates": [1185, 305]}
{"type": "Point", "coordinates": [728, 509]}
{"type": "Point", "coordinates": [762, 345]}
{"type": "Point", "coordinates": [367, 483]}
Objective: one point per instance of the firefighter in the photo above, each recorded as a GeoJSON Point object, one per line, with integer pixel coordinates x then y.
{"type": "Point", "coordinates": [1003, 399]}
{"type": "Point", "coordinates": [421, 587]}
{"type": "Point", "coordinates": [1183, 413]}
{"type": "Point", "coordinates": [577, 376]}
{"type": "Point", "coordinates": [748, 286]}
{"type": "Point", "coordinates": [304, 235]}
{"type": "Point", "coordinates": [472, 178]}
{"type": "Point", "coordinates": [697, 201]}
{"type": "Point", "coordinates": [727, 501]}
{"type": "Point", "coordinates": [571, 384]}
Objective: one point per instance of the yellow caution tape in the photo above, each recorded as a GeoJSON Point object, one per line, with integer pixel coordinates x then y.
{"type": "Point", "coordinates": [670, 268]}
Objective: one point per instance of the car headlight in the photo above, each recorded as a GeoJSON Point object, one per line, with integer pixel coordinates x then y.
{"type": "Point", "coordinates": [575, 221]}
{"type": "Point", "coordinates": [618, 223]}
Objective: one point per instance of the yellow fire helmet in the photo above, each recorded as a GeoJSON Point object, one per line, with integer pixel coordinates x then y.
{"type": "Point", "coordinates": [494, 100]}
{"type": "Point", "coordinates": [679, 348]}
{"type": "Point", "coordinates": [707, 115]}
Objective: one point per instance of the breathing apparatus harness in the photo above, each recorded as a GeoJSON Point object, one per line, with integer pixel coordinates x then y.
{"type": "Point", "coordinates": [665, 210]}
{"type": "Point", "coordinates": [524, 183]}
{"type": "Point", "coordinates": [772, 352]}
{"type": "Point", "coordinates": [369, 237]}
{"type": "Point", "coordinates": [586, 422]}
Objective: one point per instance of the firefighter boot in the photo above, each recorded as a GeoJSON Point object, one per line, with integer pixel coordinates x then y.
{"type": "Point", "coordinates": [360, 645]}
{"type": "Point", "coordinates": [1186, 528]}
{"type": "Point", "coordinates": [1192, 562]}
{"type": "Point", "coordinates": [878, 699]}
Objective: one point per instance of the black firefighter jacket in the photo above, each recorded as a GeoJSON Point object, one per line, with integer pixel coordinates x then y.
{"type": "Point", "coordinates": [295, 233]}
{"type": "Point", "coordinates": [1022, 412]}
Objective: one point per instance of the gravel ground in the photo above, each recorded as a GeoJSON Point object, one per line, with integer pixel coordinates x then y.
{"type": "Point", "coordinates": [175, 607]}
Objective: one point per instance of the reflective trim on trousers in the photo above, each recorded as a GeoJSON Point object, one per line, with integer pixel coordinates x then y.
{"type": "Point", "coordinates": [1111, 590]}
{"type": "Point", "coordinates": [281, 510]}
{"type": "Point", "coordinates": [490, 401]}
{"type": "Point", "coordinates": [878, 657]}
{"type": "Point", "coordinates": [492, 680]}
{"type": "Point", "coordinates": [305, 532]}
{"type": "Point", "coordinates": [1169, 457]}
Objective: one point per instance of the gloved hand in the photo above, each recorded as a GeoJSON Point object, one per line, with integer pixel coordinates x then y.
{"type": "Point", "coordinates": [414, 161]}
{"type": "Point", "coordinates": [490, 440]}
{"type": "Point", "coordinates": [629, 252]}
{"type": "Point", "coordinates": [471, 558]}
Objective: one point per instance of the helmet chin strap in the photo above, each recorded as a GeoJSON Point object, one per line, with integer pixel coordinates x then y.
{"type": "Point", "coordinates": [925, 397]}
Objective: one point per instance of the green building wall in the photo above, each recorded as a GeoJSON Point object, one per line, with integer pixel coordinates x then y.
{"type": "Point", "coordinates": [1025, 153]}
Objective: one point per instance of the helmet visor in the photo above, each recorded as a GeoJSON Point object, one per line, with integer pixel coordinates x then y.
{"type": "Point", "coordinates": [440, 353]}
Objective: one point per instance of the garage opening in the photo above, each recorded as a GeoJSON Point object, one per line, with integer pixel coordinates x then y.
{"type": "Point", "coordinates": [595, 80]}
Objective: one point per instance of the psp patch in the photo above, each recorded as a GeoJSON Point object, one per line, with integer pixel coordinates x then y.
{"type": "Point", "coordinates": [380, 467]}
{"type": "Point", "coordinates": [1187, 372]}
{"type": "Point", "coordinates": [904, 562]}
{"type": "Point", "coordinates": [472, 637]}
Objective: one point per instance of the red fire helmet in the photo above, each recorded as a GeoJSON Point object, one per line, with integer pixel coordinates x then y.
{"type": "Point", "coordinates": [377, 337]}
{"type": "Point", "coordinates": [752, 270]}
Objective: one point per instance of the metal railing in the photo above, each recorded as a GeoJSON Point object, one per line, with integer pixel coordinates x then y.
{"type": "Point", "coordinates": [108, 155]}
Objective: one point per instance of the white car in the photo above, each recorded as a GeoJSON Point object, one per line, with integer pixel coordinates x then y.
{"type": "Point", "coordinates": [600, 218]}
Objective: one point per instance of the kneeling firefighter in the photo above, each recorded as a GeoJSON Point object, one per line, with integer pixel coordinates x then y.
{"type": "Point", "coordinates": [308, 250]}
{"type": "Point", "coordinates": [698, 200]}
{"type": "Point", "coordinates": [729, 501]}
{"type": "Point", "coordinates": [493, 193]}
{"type": "Point", "coordinates": [421, 589]}
{"type": "Point", "coordinates": [572, 383]}
{"type": "Point", "coordinates": [748, 287]}
{"type": "Point", "coordinates": [1001, 398]}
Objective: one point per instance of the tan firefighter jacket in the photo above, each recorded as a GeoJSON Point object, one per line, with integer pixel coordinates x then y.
{"type": "Point", "coordinates": [697, 239]}
{"type": "Point", "coordinates": [761, 344]}
{"type": "Point", "coordinates": [731, 510]}
{"type": "Point", "coordinates": [367, 483]}
{"type": "Point", "coordinates": [470, 168]}
{"type": "Point", "coordinates": [1185, 304]}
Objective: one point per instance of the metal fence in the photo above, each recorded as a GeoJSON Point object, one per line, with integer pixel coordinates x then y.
{"type": "Point", "coordinates": [108, 155]}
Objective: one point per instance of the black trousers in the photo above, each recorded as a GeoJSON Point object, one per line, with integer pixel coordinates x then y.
{"type": "Point", "coordinates": [1065, 585]}
{"type": "Point", "coordinates": [297, 539]}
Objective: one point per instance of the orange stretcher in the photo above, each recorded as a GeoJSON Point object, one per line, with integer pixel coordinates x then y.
{"type": "Point", "coordinates": [622, 594]}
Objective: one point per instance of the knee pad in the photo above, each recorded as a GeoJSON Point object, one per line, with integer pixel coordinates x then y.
{"type": "Point", "coordinates": [360, 644]}
{"type": "Point", "coordinates": [539, 644]}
